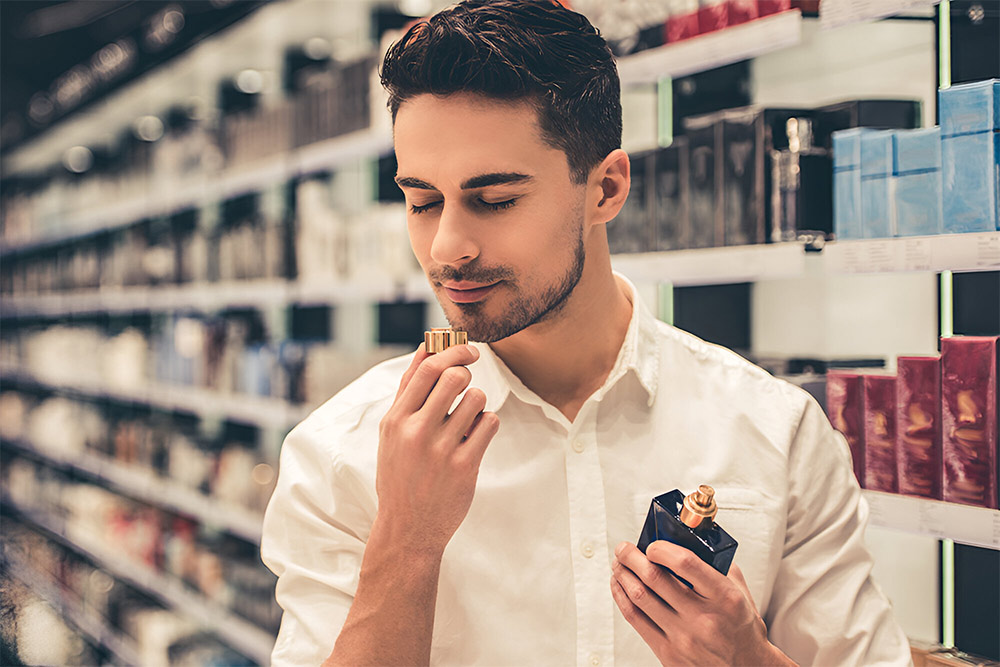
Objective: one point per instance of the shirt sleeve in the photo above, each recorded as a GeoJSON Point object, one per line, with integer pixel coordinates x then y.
{"type": "Point", "coordinates": [825, 608]}
{"type": "Point", "coordinates": [314, 534]}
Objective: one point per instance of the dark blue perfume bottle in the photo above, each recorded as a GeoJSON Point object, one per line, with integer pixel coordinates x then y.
{"type": "Point", "coordinates": [690, 522]}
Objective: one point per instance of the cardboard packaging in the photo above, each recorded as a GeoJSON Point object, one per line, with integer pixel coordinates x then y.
{"type": "Point", "coordinates": [844, 407]}
{"type": "Point", "coordinates": [741, 11]}
{"type": "Point", "coordinates": [847, 183]}
{"type": "Point", "coordinates": [871, 114]}
{"type": "Point", "coordinates": [672, 226]}
{"type": "Point", "coordinates": [800, 185]}
{"type": "Point", "coordinates": [969, 419]}
{"type": "Point", "coordinates": [741, 188]}
{"type": "Point", "coordinates": [768, 7]}
{"type": "Point", "coordinates": [682, 21]}
{"type": "Point", "coordinates": [880, 432]}
{"type": "Point", "coordinates": [916, 167]}
{"type": "Point", "coordinates": [702, 138]}
{"type": "Point", "coordinates": [712, 15]}
{"type": "Point", "coordinates": [970, 156]}
{"type": "Point", "coordinates": [876, 185]}
{"type": "Point", "coordinates": [918, 426]}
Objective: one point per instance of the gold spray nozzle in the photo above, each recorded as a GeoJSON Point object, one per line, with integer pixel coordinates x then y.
{"type": "Point", "coordinates": [699, 507]}
{"type": "Point", "coordinates": [439, 340]}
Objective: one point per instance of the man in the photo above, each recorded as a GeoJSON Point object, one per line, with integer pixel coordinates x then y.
{"type": "Point", "coordinates": [470, 507]}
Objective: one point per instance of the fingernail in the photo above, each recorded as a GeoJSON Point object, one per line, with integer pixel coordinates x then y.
{"type": "Point", "coordinates": [619, 549]}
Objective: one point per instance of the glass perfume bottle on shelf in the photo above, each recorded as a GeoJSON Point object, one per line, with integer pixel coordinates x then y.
{"type": "Point", "coordinates": [690, 522]}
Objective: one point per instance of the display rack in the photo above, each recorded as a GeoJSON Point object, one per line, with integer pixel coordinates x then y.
{"type": "Point", "coordinates": [260, 411]}
{"type": "Point", "coordinates": [242, 635]}
{"type": "Point", "coordinates": [713, 49]}
{"type": "Point", "coordinates": [146, 486]}
{"type": "Point", "coordinates": [210, 297]}
{"type": "Point", "coordinates": [92, 626]}
{"type": "Point", "coordinates": [733, 264]}
{"type": "Point", "coordinates": [977, 526]}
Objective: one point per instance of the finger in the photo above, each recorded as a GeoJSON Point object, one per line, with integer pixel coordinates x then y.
{"type": "Point", "coordinates": [429, 371]}
{"type": "Point", "coordinates": [462, 419]}
{"type": "Point", "coordinates": [663, 582]}
{"type": "Point", "coordinates": [649, 631]}
{"type": "Point", "coordinates": [453, 381]}
{"type": "Point", "coordinates": [418, 357]}
{"type": "Point", "coordinates": [480, 435]}
{"type": "Point", "coordinates": [644, 597]}
{"type": "Point", "coordinates": [706, 580]}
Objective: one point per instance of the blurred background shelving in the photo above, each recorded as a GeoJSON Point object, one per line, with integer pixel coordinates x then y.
{"type": "Point", "coordinates": [201, 242]}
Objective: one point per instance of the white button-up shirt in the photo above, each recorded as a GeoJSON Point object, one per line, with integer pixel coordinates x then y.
{"type": "Point", "coordinates": [525, 579]}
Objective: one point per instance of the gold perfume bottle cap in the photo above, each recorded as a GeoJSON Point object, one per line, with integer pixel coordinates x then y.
{"type": "Point", "coordinates": [699, 507]}
{"type": "Point", "coordinates": [439, 340]}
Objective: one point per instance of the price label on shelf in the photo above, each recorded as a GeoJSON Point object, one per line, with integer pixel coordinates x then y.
{"type": "Point", "coordinates": [833, 13]}
{"type": "Point", "coordinates": [917, 254]}
{"type": "Point", "coordinates": [988, 251]}
{"type": "Point", "coordinates": [880, 257]}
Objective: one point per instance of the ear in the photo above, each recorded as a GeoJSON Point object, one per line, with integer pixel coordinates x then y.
{"type": "Point", "coordinates": [608, 187]}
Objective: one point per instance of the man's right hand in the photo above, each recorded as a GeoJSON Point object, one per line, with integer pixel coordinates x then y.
{"type": "Point", "coordinates": [428, 459]}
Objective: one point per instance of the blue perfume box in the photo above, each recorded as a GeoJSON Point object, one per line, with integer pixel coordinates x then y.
{"type": "Point", "coordinates": [876, 185]}
{"type": "Point", "coordinates": [847, 183]}
{"type": "Point", "coordinates": [916, 167]}
{"type": "Point", "coordinates": [970, 156]}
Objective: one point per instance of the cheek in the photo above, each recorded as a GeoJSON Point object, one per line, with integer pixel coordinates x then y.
{"type": "Point", "coordinates": [421, 238]}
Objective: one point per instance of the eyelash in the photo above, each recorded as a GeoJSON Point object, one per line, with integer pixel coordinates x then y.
{"type": "Point", "coordinates": [497, 206]}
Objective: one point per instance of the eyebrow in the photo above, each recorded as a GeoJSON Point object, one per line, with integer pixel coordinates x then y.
{"type": "Point", "coordinates": [481, 181]}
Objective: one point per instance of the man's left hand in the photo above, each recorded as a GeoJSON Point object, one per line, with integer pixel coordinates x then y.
{"type": "Point", "coordinates": [713, 623]}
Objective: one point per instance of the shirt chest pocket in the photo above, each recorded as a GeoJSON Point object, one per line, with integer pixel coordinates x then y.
{"type": "Point", "coordinates": [756, 523]}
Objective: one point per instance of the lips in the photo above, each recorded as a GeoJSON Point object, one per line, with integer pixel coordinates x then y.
{"type": "Point", "coordinates": [466, 292]}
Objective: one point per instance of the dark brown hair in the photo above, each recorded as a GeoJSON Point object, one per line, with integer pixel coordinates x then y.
{"type": "Point", "coordinates": [532, 50]}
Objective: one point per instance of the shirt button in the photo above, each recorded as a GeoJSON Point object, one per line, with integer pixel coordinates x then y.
{"type": "Point", "coordinates": [595, 659]}
{"type": "Point", "coordinates": [587, 549]}
{"type": "Point", "coordinates": [577, 446]}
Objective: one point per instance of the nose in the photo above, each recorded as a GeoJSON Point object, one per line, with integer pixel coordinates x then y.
{"type": "Point", "coordinates": [453, 242]}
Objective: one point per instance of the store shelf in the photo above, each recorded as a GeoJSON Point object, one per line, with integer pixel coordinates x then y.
{"type": "Point", "coordinates": [211, 297]}
{"type": "Point", "coordinates": [257, 410]}
{"type": "Point", "coordinates": [242, 635]}
{"type": "Point", "coordinates": [706, 266]}
{"type": "Point", "coordinates": [327, 154]}
{"type": "Point", "coordinates": [95, 628]}
{"type": "Point", "coordinates": [834, 13]}
{"type": "Point", "coordinates": [977, 526]}
{"type": "Point", "coordinates": [944, 252]}
{"type": "Point", "coordinates": [146, 486]}
{"type": "Point", "coordinates": [713, 49]}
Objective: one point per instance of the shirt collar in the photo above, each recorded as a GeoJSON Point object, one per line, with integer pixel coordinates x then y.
{"type": "Point", "coordinates": [639, 354]}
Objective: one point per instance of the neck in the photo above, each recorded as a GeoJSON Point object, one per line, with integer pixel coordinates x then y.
{"type": "Point", "coordinates": [567, 359]}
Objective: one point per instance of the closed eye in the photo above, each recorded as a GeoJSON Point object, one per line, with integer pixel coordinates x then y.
{"type": "Point", "coordinates": [414, 208]}
{"type": "Point", "coordinates": [500, 205]}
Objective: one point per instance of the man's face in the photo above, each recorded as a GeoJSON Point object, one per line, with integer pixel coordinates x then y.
{"type": "Point", "coordinates": [494, 217]}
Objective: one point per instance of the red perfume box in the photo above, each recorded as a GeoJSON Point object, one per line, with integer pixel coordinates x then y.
{"type": "Point", "coordinates": [880, 432]}
{"type": "Point", "coordinates": [918, 426]}
{"type": "Point", "coordinates": [969, 419]}
{"type": "Point", "coordinates": [844, 406]}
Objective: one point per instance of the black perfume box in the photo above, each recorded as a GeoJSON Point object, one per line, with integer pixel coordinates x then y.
{"type": "Point", "coordinates": [671, 176]}
{"type": "Point", "coordinates": [705, 173]}
{"type": "Point", "coordinates": [876, 114]}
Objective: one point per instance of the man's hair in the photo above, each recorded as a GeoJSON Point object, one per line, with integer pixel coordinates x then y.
{"type": "Point", "coordinates": [518, 50]}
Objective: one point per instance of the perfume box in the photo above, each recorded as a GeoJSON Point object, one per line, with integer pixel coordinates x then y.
{"type": "Point", "coordinates": [631, 230]}
{"type": "Point", "coordinates": [712, 15]}
{"type": "Point", "coordinates": [741, 150]}
{"type": "Point", "coordinates": [969, 419]}
{"type": "Point", "coordinates": [847, 183]}
{"type": "Point", "coordinates": [701, 133]}
{"type": "Point", "coordinates": [871, 114]}
{"type": "Point", "coordinates": [682, 21]}
{"type": "Point", "coordinates": [880, 432]}
{"type": "Point", "coordinates": [672, 227]}
{"type": "Point", "coordinates": [876, 185]}
{"type": "Point", "coordinates": [918, 426]}
{"type": "Point", "coordinates": [970, 121]}
{"type": "Point", "coordinates": [845, 408]}
{"type": "Point", "coordinates": [768, 7]}
{"type": "Point", "coordinates": [916, 166]}
{"type": "Point", "coordinates": [741, 11]}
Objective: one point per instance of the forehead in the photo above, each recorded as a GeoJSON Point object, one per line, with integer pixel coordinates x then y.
{"type": "Point", "coordinates": [443, 137]}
